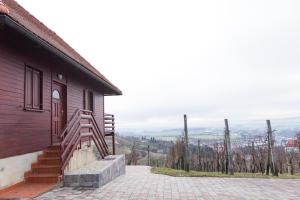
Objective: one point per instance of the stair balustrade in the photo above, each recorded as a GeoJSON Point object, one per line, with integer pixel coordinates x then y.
{"type": "Point", "coordinates": [81, 125]}
{"type": "Point", "coordinates": [109, 127]}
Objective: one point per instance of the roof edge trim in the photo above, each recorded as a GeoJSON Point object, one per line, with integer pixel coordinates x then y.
{"type": "Point", "coordinates": [13, 24]}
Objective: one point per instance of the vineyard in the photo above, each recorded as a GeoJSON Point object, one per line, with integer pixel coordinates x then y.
{"type": "Point", "coordinates": [224, 153]}
{"type": "Point", "coordinates": [257, 154]}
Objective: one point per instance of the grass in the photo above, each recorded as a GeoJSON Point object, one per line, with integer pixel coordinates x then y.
{"type": "Point", "coordinates": [182, 173]}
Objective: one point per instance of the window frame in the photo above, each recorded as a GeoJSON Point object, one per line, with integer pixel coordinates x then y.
{"type": "Point", "coordinates": [30, 106]}
{"type": "Point", "coordinates": [89, 99]}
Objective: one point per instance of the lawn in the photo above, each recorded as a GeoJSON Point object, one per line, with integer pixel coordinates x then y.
{"type": "Point", "coordinates": [181, 173]}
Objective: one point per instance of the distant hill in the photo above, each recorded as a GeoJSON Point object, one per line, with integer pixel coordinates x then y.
{"type": "Point", "coordinates": [285, 128]}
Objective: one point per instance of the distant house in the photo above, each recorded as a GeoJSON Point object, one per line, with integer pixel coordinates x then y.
{"type": "Point", "coordinates": [220, 147]}
{"type": "Point", "coordinates": [51, 102]}
{"type": "Point", "coordinates": [292, 145]}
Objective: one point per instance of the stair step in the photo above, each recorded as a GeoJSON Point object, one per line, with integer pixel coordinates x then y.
{"type": "Point", "coordinates": [52, 150]}
{"type": "Point", "coordinates": [49, 160]}
{"type": "Point", "coordinates": [45, 169]}
{"type": "Point", "coordinates": [38, 164]}
{"type": "Point", "coordinates": [42, 178]}
{"type": "Point", "coordinates": [54, 147]}
{"type": "Point", "coordinates": [52, 153]}
{"type": "Point", "coordinates": [42, 175]}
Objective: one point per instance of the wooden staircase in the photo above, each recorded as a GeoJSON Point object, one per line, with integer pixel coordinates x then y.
{"type": "Point", "coordinates": [48, 167]}
{"type": "Point", "coordinates": [51, 164]}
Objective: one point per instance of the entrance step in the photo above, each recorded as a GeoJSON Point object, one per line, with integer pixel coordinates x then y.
{"type": "Point", "coordinates": [44, 169]}
{"type": "Point", "coordinates": [47, 169]}
{"type": "Point", "coordinates": [42, 178]}
{"type": "Point", "coordinates": [52, 153]}
{"type": "Point", "coordinates": [54, 147]}
{"type": "Point", "coordinates": [49, 160]}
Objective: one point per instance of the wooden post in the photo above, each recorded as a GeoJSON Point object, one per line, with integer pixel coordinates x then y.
{"type": "Point", "coordinates": [113, 144]}
{"type": "Point", "coordinates": [182, 155]}
{"type": "Point", "coordinates": [253, 158]}
{"type": "Point", "coordinates": [271, 153]}
{"type": "Point", "coordinates": [228, 147]}
{"type": "Point", "coordinates": [226, 152]}
{"type": "Point", "coordinates": [148, 155]}
{"type": "Point", "coordinates": [186, 148]}
{"type": "Point", "coordinates": [225, 163]}
{"type": "Point", "coordinates": [298, 140]}
{"type": "Point", "coordinates": [113, 135]}
{"type": "Point", "coordinates": [269, 162]}
{"type": "Point", "coordinates": [199, 156]}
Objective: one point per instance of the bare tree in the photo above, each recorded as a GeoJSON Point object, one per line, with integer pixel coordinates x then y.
{"type": "Point", "coordinates": [134, 155]}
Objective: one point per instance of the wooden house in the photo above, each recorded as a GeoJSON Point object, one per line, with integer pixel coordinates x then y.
{"type": "Point", "coordinates": [51, 102]}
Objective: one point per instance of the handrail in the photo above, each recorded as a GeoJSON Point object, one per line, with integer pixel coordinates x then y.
{"type": "Point", "coordinates": [99, 130]}
{"type": "Point", "coordinates": [109, 123]}
{"type": "Point", "coordinates": [71, 121]}
{"type": "Point", "coordinates": [72, 134]}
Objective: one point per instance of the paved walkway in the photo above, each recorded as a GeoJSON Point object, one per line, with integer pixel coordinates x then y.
{"type": "Point", "coordinates": [140, 184]}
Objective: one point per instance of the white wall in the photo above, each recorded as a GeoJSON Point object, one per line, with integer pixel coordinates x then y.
{"type": "Point", "coordinates": [12, 169]}
{"type": "Point", "coordinates": [81, 157]}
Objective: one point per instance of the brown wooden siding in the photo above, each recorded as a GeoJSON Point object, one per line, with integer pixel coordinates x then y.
{"type": "Point", "coordinates": [75, 88]}
{"type": "Point", "coordinates": [27, 131]}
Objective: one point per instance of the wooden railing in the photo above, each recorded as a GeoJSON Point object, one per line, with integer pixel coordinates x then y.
{"type": "Point", "coordinates": [81, 125]}
{"type": "Point", "coordinates": [109, 125]}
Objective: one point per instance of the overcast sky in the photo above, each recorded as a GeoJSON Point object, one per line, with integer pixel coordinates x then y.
{"type": "Point", "coordinates": [209, 59]}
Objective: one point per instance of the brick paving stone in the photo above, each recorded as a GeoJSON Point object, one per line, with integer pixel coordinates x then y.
{"type": "Point", "coordinates": [140, 184]}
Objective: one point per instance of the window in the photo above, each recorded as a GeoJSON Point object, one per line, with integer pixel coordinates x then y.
{"type": "Point", "coordinates": [56, 95]}
{"type": "Point", "coordinates": [33, 89]}
{"type": "Point", "coordinates": [88, 100]}
{"type": "Point", "coordinates": [91, 101]}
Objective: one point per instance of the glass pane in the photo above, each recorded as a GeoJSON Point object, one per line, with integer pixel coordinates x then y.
{"type": "Point", "coordinates": [56, 94]}
{"type": "Point", "coordinates": [36, 89]}
{"type": "Point", "coordinates": [28, 88]}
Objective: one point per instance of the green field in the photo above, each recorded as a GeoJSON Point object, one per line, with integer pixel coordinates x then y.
{"type": "Point", "coordinates": [181, 173]}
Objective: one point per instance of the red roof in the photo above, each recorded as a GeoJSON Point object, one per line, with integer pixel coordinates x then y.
{"type": "Point", "coordinates": [12, 9]}
{"type": "Point", "coordinates": [292, 143]}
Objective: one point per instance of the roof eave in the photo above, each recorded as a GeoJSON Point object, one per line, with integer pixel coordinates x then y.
{"type": "Point", "coordinates": [7, 20]}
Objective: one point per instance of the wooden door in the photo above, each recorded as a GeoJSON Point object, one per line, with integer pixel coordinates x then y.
{"type": "Point", "coordinates": [58, 110]}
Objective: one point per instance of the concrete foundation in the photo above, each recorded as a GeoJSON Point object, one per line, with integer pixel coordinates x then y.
{"type": "Point", "coordinates": [12, 169]}
{"type": "Point", "coordinates": [82, 157]}
{"type": "Point", "coordinates": [97, 173]}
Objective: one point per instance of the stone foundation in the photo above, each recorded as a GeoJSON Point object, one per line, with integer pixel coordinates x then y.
{"type": "Point", "coordinates": [97, 173]}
